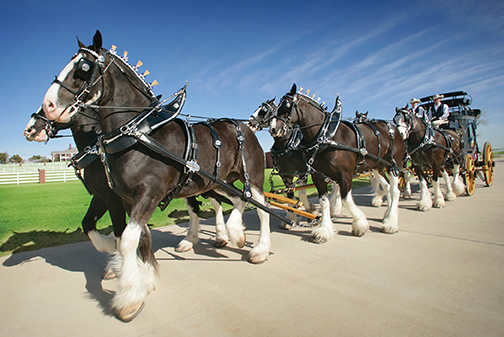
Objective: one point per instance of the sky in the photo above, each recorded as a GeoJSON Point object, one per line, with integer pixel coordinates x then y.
{"type": "Point", "coordinates": [235, 55]}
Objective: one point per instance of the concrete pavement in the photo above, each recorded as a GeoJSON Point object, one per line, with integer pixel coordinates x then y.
{"type": "Point", "coordinates": [441, 275]}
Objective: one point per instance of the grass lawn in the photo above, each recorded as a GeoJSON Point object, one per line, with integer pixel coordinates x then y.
{"type": "Point", "coordinates": [34, 216]}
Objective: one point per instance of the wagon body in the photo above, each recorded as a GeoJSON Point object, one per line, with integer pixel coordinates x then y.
{"type": "Point", "coordinates": [464, 120]}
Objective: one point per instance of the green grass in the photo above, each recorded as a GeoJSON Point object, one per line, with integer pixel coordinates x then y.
{"type": "Point", "coordinates": [34, 216]}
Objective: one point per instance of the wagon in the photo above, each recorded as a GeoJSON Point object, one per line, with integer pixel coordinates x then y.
{"type": "Point", "coordinates": [477, 161]}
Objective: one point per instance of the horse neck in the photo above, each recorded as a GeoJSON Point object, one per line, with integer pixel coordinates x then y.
{"type": "Point", "coordinates": [417, 131]}
{"type": "Point", "coordinates": [310, 121]}
{"type": "Point", "coordinates": [280, 143]}
{"type": "Point", "coordinates": [119, 92]}
{"type": "Point", "coordinates": [84, 133]}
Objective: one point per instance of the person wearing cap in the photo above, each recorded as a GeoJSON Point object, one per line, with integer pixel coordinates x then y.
{"type": "Point", "coordinates": [418, 110]}
{"type": "Point", "coordinates": [438, 113]}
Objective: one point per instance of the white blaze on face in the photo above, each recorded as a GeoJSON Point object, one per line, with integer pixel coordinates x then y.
{"type": "Point", "coordinates": [53, 109]}
{"type": "Point", "coordinates": [402, 126]}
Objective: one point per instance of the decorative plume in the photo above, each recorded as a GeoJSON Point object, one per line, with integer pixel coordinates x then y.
{"type": "Point", "coordinates": [125, 56]}
{"type": "Point", "coordinates": [113, 49]}
{"type": "Point", "coordinates": [146, 73]}
{"type": "Point", "coordinates": [154, 83]}
{"type": "Point", "coordinates": [139, 63]}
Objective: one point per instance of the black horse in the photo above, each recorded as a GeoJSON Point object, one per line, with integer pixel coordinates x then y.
{"type": "Point", "coordinates": [434, 149]}
{"type": "Point", "coordinates": [337, 150]}
{"type": "Point", "coordinates": [86, 129]}
{"type": "Point", "coordinates": [289, 162]}
{"type": "Point", "coordinates": [145, 167]}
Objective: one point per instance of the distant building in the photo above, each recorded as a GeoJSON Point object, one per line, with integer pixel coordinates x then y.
{"type": "Point", "coordinates": [64, 155]}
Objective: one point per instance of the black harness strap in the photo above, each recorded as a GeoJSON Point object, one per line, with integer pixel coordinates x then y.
{"type": "Point", "coordinates": [190, 155]}
{"type": "Point", "coordinates": [217, 144]}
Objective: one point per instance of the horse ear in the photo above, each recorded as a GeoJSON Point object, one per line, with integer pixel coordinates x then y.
{"type": "Point", "coordinates": [293, 89]}
{"type": "Point", "coordinates": [97, 41]}
{"type": "Point", "coordinates": [81, 45]}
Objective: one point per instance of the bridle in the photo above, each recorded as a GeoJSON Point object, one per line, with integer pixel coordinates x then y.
{"type": "Point", "coordinates": [291, 103]}
{"type": "Point", "coordinates": [91, 72]}
{"type": "Point", "coordinates": [262, 121]}
{"type": "Point", "coordinates": [50, 128]}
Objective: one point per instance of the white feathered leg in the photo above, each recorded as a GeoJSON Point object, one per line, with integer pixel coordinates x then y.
{"type": "Point", "coordinates": [308, 206]}
{"type": "Point", "coordinates": [221, 237]}
{"type": "Point", "coordinates": [391, 220]}
{"type": "Point", "coordinates": [234, 224]}
{"type": "Point", "coordinates": [458, 184]}
{"type": "Point", "coordinates": [325, 230]}
{"type": "Point", "coordinates": [407, 188]}
{"type": "Point", "coordinates": [380, 188]}
{"type": "Point", "coordinates": [450, 195]}
{"type": "Point", "coordinates": [335, 202]}
{"type": "Point", "coordinates": [439, 201]}
{"type": "Point", "coordinates": [425, 203]}
{"type": "Point", "coordinates": [136, 279]}
{"type": "Point", "coordinates": [192, 233]}
{"type": "Point", "coordinates": [102, 243]}
{"type": "Point", "coordinates": [261, 251]}
{"type": "Point", "coordinates": [360, 224]}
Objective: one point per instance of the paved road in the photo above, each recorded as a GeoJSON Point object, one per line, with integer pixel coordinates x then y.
{"type": "Point", "coordinates": [441, 275]}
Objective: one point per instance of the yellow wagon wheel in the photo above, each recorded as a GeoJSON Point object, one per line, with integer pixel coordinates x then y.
{"type": "Point", "coordinates": [469, 174]}
{"type": "Point", "coordinates": [489, 164]}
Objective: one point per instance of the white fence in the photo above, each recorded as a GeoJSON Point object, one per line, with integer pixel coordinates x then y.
{"type": "Point", "coordinates": [36, 173]}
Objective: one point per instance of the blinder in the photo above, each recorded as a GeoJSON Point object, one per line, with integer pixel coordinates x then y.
{"type": "Point", "coordinates": [84, 69]}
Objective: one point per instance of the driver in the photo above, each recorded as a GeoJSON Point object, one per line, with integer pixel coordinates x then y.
{"type": "Point", "coordinates": [418, 110]}
{"type": "Point", "coordinates": [438, 113]}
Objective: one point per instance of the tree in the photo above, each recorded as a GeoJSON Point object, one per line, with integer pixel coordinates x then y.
{"type": "Point", "coordinates": [16, 159]}
{"type": "Point", "coordinates": [3, 157]}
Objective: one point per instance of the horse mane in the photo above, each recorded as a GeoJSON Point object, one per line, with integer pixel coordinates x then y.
{"type": "Point", "coordinates": [133, 70]}
{"type": "Point", "coordinates": [312, 100]}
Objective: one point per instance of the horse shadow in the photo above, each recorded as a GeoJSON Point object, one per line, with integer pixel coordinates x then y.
{"type": "Point", "coordinates": [79, 257]}
{"type": "Point", "coordinates": [82, 257]}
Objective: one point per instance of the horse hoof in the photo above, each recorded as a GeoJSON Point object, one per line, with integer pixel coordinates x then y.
{"type": "Point", "coordinates": [257, 258]}
{"type": "Point", "coordinates": [183, 248]}
{"type": "Point", "coordinates": [129, 313]}
{"type": "Point", "coordinates": [285, 226]}
{"type": "Point", "coordinates": [359, 232]}
{"type": "Point", "coordinates": [390, 230]}
{"type": "Point", "coordinates": [318, 239]}
{"type": "Point", "coordinates": [241, 242]}
{"type": "Point", "coordinates": [220, 243]}
{"type": "Point", "coordinates": [109, 275]}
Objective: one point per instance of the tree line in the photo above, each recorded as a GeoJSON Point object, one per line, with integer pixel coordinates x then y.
{"type": "Point", "coordinates": [4, 158]}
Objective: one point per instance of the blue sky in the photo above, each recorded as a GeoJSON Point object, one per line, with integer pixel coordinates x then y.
{"type": "Point", "coordinates": [236, 54]}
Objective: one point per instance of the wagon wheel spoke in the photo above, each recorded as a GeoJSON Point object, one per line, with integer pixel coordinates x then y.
{"type": "Point", "coordinates": [489, 164]}
{"type": "Point", "coordinates": [469, 174]}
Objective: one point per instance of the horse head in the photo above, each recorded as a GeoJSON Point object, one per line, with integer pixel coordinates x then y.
{"type": "Point", "coordinates": [77, 84]}
{"type": "Point", "coordinates": [91, 79]}
{"type": "Point", "coordinates": [361, 117]}
{"type": "Point", "coordinates": [262, 116]}
{"type": "Point", "coordinates": [296, 108]}
{"type": "Point", "coordinates": [39, 128]}
{"type": "Point", "coordinates": [284, 119]}
{"type": "Point", "coordinates": [402, 120]}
